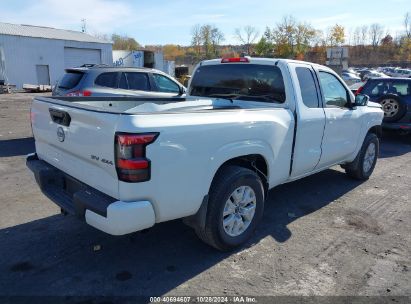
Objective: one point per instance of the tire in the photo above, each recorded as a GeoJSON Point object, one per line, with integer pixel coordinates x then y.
{"type": "Point", "coordinates": [227, 186]}
{"type": "Point", "coordinates": [394, 108]}
{"type": "Point", "coordinates": [363, 165]}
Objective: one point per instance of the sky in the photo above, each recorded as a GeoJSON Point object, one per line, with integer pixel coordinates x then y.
{"type": "Point", "coordinates": [170, 22]}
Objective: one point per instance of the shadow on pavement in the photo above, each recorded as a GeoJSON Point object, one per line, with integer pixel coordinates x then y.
{"type": "Point", "coordinates": [55, 256]}
{"type": "Point", "coordinates": [16, 147]}
{"type": "Point", "coordinates": [394, 144]}
{"type": "Point", "coordinates": [291, 201]}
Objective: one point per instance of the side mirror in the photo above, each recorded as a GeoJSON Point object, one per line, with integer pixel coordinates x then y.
{"type": "Point", "coordinates": [182, 90]}
{"type": "Point", "coordinates": [361, 100]}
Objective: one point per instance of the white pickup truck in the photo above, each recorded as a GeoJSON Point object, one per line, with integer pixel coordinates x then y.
{"type": "Point", "coordinates": [246, 125]}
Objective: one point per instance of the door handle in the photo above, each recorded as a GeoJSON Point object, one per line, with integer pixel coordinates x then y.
{"type": "Point", "coordinates": [60, 117]}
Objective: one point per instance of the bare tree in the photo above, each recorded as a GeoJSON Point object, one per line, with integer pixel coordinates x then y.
{"type": "Point", "coordinates": [376, 32]}
{"type": "Point", "coordinates": [364, 35]}
{"type": "Point", "coordinates": [216, 38]}
{"type": "Point", "coordinates": [196, 39]}
{"type": "Point", "coordinates": [206, 30]}
{"type": "Point", "coordinates": [407, 24]}
{"type": "Point", "coordinates": [247, 36]}
{"type": "Point", "coordinates": [357, 35]}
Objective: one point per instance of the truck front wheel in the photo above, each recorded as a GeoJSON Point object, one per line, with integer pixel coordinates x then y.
{"type": "Point", "coordinates": [235, 207]}
{"type": "Point", "coordinates": [363, 165]}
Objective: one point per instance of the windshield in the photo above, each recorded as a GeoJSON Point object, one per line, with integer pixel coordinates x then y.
{"type": "Point", "coordinates": [70, 80]}
{"type": "Point", "coordinates": [239, 81]}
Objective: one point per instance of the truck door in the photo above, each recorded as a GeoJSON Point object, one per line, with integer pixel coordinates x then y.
{"type": "Point", "coordinates": [342, 126]}
{"type": "Point", "coordinates": [310, 121]}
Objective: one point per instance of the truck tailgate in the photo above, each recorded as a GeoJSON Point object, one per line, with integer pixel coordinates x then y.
{"type": "Point", "coordinates": [77, 141]}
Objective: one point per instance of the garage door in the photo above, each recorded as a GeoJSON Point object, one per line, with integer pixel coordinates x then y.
{"type": "Point", "coordinates": [74, 57]}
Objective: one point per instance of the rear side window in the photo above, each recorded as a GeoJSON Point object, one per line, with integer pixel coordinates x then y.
{"type": "Point", "coordinates": [308, 88]}
{"type": "Point", "coordinates": [165, 85]}
{"type": "Point", "coordinates": [107, 80]}
{"type": "Point", "coordinates": [379, 88]}
{"type": "Point", "coordinates": [375, 88]}
{"type": "Point", "coordinates": [401, 88]}
{"type": "Point", "coordinates": [136, 81]}
{"type": "Point", "coordinates": [70, 80]}
{"type": "Point", "coordinates": [245, 81]}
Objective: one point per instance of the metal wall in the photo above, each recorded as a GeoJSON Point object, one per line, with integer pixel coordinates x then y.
{"type": "Point", "coordinates": [132, 59]}
{"type": "Point", "coordinates": [22, 54]}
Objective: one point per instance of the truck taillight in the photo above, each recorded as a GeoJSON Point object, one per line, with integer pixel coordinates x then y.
{"type": "Point", "coordinates": [359, 90]}
{"type": "Point", "coordinates": [131, 162]}
{"type": "Point", "coordinates": [235, 59]}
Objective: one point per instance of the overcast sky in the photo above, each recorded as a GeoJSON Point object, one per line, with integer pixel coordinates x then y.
{"type": "Point", "coordinates": [162, 21]}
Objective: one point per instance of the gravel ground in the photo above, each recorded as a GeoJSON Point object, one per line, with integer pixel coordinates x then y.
{"type": "Point", "coordinates": [323, 235]}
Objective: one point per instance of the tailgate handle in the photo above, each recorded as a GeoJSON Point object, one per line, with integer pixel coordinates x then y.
{"type": "Point", "coordinates": [60, 117]}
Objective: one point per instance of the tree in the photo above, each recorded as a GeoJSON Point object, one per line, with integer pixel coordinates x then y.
{"type": "Point", "coordinates": [357, 36]}
{"type": "Point", "coordinates": [172, 51]}
{"type": "Point", "coordinates": [336, 35]}
{"type": "Point", "coordinates": [264, 47]}
{"type": "Point", "coordinates": [124, 43]}
{"type": "Point", "coordinates": [247, 36]}
{"type": "Point", "coordinates": [206, 39]}
{"type": "Point", "coordinates": [376, 32]}
{"type": "Point", "coordinates": [283, 37]}
{"type": "Point", "coordinates": [216, 38]}
{"type": "Point", "coordinates": [387, 40]}
{"type": "Point", "coordinates": [292, 39]}
{"type": "Point", "coordinates": [407, 25]}
{"type": "Point", "coordinates": [364, 35]}
{"type": "Point", "coordinates": [304, 35]}
{"type": "Point", "coordinates": [196, 39]}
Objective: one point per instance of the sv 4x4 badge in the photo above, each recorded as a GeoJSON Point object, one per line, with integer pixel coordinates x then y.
{"type": "Point", "coordinates": [103, 160]}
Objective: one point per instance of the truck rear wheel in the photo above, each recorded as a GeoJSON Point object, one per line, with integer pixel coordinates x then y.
{"type": "Point", "coordinates": [363, 165]}
{"type": "Point", "coordinates": [235, 207]}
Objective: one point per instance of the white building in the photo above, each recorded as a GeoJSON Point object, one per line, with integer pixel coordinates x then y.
{"type": "Point", "coordinates": [143, 58]}
{"type": "Point", "coordinates": [38, 55]}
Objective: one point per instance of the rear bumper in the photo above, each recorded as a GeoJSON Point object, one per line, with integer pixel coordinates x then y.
{"type": "Point", "coordinates": [97, 209]}
{"type": "Point", "coordinates": [406, 126]}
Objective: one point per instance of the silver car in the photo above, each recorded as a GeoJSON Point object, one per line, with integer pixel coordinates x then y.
{"type": "Point", "coordinates": [114, 81]}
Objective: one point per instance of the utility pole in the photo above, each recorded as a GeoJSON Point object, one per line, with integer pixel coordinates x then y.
{"type": "Point", "coordinates": [83, 25]}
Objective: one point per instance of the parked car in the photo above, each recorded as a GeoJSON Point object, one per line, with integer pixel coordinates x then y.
{"type": "Point", "coordinates": [113, 81]}
{"type": "Point", "coordinates": [363, 72]}
{"type": "Point", "coordinates": [351, 71]}
{"type": "Point", "coordinates": [350, 78]}
{"type": "Point", "coordinates": [405, 73]}
{"type": "Point", "coordinates": [394, 94]}
{"type": "Point", "coordinates": [374, 74]}
{"type": "Point", "coordinates": [390, 71]}
{"type": "Point", "coordinates": [355, 86]}
{"type": "Point", "coordinates": [246, 126]}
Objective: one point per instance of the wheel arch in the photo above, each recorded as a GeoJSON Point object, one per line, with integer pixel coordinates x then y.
{"type": "Point", "coordinates": [242, 153]}
{"type": "Point", "coordinates": [254, 162]}
{"type": "Point", "coordinates": [377, 130]}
